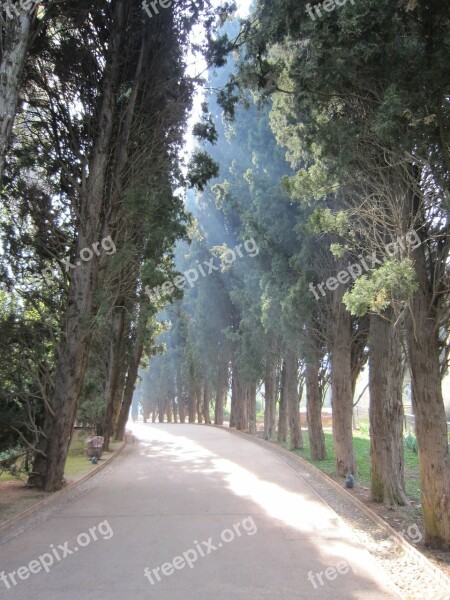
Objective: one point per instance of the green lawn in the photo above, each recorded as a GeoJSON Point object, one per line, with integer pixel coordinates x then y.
{"type": "Point", "coordinates": [77, 464]}
{"type": "Point", "coordinates": [362, 450]}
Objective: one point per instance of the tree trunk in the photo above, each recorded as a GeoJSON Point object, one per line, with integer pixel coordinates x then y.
{"type": "Point", "coordinates": [241, 400]}
{"type": "Point", "coordinates": [233, 399]}
{"type": "Point", "coordinates": [221, 393]}
{"type": "Point", "coordinates": [293, 401]}
{"type": "Point", "coordinates": [270, 399]}
{"type": "Point", "coordinates": [73, 352]}
{"type": "Point", "coordinates": [244, 406]}
{"type": "Point", "coordinates": [206, 402]}
{"type": "Point", "coordinates": [252, 408]}
{"type": "Point", "coordinates": [192, 406]}
{"type": "Point", "coordinates": [169, 410]}
{"type": "Point", "coordinates": [113, 370]}
{"type": "Point", "coordinates": [16, 40]}
{"type": "Point", "coordinates": [341, 387]}
{"type": "Point", "coordinates": [429, 411]}
{"type": "Point", "coordinates": [118, 401]}
{"type": "Point", "coordinates": [314, 404]}
{"type": "Point", "coordinates": [128, 391]}
{"type": "Point", "coordinates": [175, 409]}
{"type": "Point", "coordinates": [180, 397]}
{"type": "Point", "coordinates": [53, 446]}
{"type": "Point", "coordinates": [221, 397]}
{"type": "Point", "coordinates": [387, 478]}
{"type": "Point", "coordinates": [283, 407]}
{"type": "Point", "coordinates": [132, 374]}
{"type": "Point", "coordinates": [161, 410]}
{"type": "Point", "coordinates": [181, 409]}
{"type": "Point", "coordinates": [241, 408]}
{"type": "Point", "coordinates": [198, 402]}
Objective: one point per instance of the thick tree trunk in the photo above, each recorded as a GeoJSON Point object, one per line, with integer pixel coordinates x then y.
{"type": "Point", "coordinates": [252, 408]}
{"type": "Point", "coordinates": [241, 401]}
{"type": "Point", "coordinates": [221, 397]}
{"type": "Point", "coordinates": [181, 409]}
{"type": "Point", "coordinates": [169, 410]}
{"type": "Point", "coordinates": [199, 402]}
{"type": "Point", "coordinates": [387, 478]}
{"type": "Point", "coordinates": [161, 410]}
{"type": "Point", "coordinates": [283, 407]}
{"type": "Point", "coordinates": [341, 387]}
{"type": "Point", "coordinates": [242, 408]}
{"type": "Point", "coordinates": [132, 374]}
{"type": "Point", "coordinates": [192, 406]}
{"type": "Point", "coordinates": [206, 402]}
{"type": "Point", "coordinates": [233, 400]}
{"type": "Point", "coordinates": [314, 405]}
{"type": "Point", "coordinates": [293, 400]}
{"type": "Point", "coordinates": [73, 352]}
{"type": "Point", "coordinates": [16, 40]}
{"type": "Point", "coordinates": [113, 370]}
{"type": "Point", "coordinates": [181, 401]}
{"type": "Point", "coordinates": [120, 388]}
{"type": "Point", "coordinates": [270, 377]}
{"type": "Point", "coordinates": [245, 407]}
{"type": "Point", "coordinates": [119, 403]}
{"type": "Point", "coordinates": [115, 191]}
{"type": "Point", "coordinates": [221, 393]}
{"type": "Point", "coordinates": [429, 412]}
{"type": "Point", "coordinates": [48, 469]}
{"type": "Point", "coordinates": [175, 408]}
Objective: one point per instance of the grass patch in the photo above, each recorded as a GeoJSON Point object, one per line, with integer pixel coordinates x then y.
{"type": "Point", "coordinates": [77, 463]}
{"type": "Point", "coordinates": [6, 476]}
{"type": "Point", "coordinates": [361, 443]}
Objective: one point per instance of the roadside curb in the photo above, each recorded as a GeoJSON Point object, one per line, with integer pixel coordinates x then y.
{"type": "Point", "coordinates": [408, 548]}
{"type": "Point", "coordinates": [55, 496]}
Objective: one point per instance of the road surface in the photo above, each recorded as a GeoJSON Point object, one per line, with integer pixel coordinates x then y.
{"type": "Point", "coordinates": [194, 513]}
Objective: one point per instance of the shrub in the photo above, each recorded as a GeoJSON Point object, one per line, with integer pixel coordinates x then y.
{"type": "Point", "coordinates": [411, 442]}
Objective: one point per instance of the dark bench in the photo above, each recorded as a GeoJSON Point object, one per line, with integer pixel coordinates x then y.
{"type": "Point", "coordinates": [95, 446]}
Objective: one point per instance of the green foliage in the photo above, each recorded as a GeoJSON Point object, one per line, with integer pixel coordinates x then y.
{"type": "Point", "coordinates": [411, 442]}
{"type": "Point", "coordinates": [91, 412]}
{"type": "Point", "coordinates": [202, 168]}
{"type": "Point", "coordinates": [11, 453]}
{"type": "Point", "coordinates": [393, 282]}
{"type": "Point", "coordinates": [323, 220]}
{"type": "Point", "coordinates": [206, 130]}
{"type": "Point", "coordinates": [364, 429]}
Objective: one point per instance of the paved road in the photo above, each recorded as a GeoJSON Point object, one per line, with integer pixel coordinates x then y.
{"type": "Point", "coordinates": [193, 513]}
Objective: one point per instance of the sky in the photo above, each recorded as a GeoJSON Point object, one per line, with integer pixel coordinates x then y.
{"type": "Point", "coordinates": [197, 66]}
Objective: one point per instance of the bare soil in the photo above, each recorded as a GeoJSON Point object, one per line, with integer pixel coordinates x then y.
{"type": "Point", "coordinates": [16, 497]}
